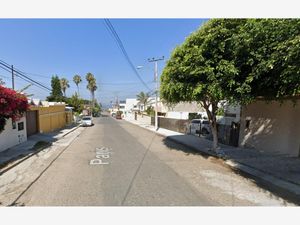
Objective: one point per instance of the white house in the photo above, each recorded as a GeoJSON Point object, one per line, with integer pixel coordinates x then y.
{"type": "Point", "coordinates": [182, 110]}
{"type": "Point", "coordinates": [13, 134]}
{"type": "Point", "coordinates": [122, 105]}
{"type": "Point", "coordinates": [131, 104]}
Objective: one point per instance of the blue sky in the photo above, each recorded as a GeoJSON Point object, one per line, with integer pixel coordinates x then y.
{"type": "Point", "coordinates": [44, 47]}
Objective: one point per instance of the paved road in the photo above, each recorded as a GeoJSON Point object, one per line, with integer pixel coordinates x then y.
{"type": "Point", "coordinates": [133, 176]}
{"type": "Point", "coordinates": [143, 169]}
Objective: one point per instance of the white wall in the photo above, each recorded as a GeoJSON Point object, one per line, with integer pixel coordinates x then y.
{"type": "Point", "coordinates": [178, 115]}
{"type": "Point", "coordinates": [11, 137]}
{"type": "Point", "coordinates": [130, 102]}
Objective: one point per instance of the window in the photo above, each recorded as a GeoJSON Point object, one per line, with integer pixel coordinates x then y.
{"type": "Point", "coordinates": [21, 126]}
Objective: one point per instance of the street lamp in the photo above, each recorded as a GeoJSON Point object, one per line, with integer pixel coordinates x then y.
{"type": "Point", "coordinates": [155, 60]}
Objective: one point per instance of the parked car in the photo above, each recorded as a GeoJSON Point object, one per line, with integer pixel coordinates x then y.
{"type": "Point", "coordinates": [87, 121]}
{"type": "Point", "coordinates": [119, 115]}
{"type": "Point", "coordinates": [199, 126]}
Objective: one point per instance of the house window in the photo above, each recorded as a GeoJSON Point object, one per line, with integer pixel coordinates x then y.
{"type": "Point", "coordinates": [21, 126]}
{"type": "Point", "coordinates": [14, 126]}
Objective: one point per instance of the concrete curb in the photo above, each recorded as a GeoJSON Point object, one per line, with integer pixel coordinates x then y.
{"type": "Point", "coordinates": [291, 191]}
{"type": "Point", "coordinates": [22, 159]}
{"type": "Point", "coordinates": [74, 128]}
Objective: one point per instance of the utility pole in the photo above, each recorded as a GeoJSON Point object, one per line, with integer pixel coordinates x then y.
{"type": "Point", "coordinates": [155, 60]}
{"type": "Point", "coordinates": [12, 77]}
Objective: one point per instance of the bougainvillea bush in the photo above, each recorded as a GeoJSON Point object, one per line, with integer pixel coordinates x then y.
{"type": "Point", "coordinates": [12, 105]}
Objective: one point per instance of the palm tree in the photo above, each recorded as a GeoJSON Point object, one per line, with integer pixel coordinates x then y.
{"type": "Point", "coordinates": [64, 84]}
{"type": "Point", "coordinates": [89, 77]}
{"type": "Point", "coordinates": [92, 86]}
{"type": "Point", "coordinates": [143, 99]}
{"type": "Point", "coordinates": [77, 80]}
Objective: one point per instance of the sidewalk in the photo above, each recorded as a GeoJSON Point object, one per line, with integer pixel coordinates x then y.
{"type": "Point", "coordinates": [277, 172]}
{"type": "Point", "coordinates": [32, 145]}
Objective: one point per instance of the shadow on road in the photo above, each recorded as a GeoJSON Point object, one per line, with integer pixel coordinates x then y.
{"type": "Point", "coordinates": [275, 191]}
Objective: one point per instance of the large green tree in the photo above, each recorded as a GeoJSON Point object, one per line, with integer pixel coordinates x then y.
{"type": "Point", "coordinates": [56, 93]}
{"type": "Point", "coordinates": [235, 60]}
{"type": "Point", "coordinates": [199, 69]}
{"type": "Point", "coordinates": [267, 56]}
{"type": "Point", "coordinates": [76, 102]}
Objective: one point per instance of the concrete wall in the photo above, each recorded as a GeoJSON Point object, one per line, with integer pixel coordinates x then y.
{"type": "Point", "coordinates": [51, 117]}
{"type": "Point", "coordinates": [272, 128]}
{"type": "Point", "coordinates": [172, 124]}
{"type": "Point", "coordinates": [11, 137]}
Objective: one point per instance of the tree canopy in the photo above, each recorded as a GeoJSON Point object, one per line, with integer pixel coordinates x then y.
{"type": "Point", "coordinates": [91, 86]}
{"type": "Point", "coordinates": [64, 84]}
{"type": "Point", "coordinates": [56, 93]}
{"type": "Point", "coordinates": [12, 105]}
{"type": "Point", "coordinates": [77, 79]}
{"type": "Point", "coordinates": [235, 60]}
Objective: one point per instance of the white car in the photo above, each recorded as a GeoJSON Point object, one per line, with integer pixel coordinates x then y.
{"type": "Point", "coordinates": [87, 121]}
{"type": "Point", "coordinates": [199, 126]}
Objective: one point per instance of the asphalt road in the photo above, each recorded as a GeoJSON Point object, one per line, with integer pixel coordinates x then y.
{"type": "Point", "coordinates": [132, 175]}
{"type": "Point", "coordinates": [116, 163]}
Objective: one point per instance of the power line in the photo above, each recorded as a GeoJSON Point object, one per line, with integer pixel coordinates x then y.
{"type": "Point", "coordinates": [4, 68]}
{"type": "Point", "coordinates": [121, 46]}
{"type": "Point", "coordinates": [21, 75]}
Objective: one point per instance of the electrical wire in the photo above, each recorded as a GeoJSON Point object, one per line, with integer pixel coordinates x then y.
{"type": "Point", "coordinates": [21, 75]}
{"type": "Point", "coordinates": [122, 48]}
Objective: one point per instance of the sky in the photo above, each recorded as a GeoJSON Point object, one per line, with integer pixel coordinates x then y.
{"type": "Point", "coordinates": [65, 47]}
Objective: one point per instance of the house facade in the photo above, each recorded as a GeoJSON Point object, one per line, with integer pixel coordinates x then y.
{"type": "Point", "coordinates": [181, 110]}
{"type": "Point", "coordinates": [131, 104]}
{"type": "Point", "coordinates": [271, 127]}
{"type": "Point", "coordinates": [44, 117]}
{"type": "Point", "coordinates": [14, 133]}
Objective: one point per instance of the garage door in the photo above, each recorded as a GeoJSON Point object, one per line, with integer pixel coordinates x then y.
{"type": "Point", "coordinates": [31, 122]}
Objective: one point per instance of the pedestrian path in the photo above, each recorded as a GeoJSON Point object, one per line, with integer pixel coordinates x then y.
{"type": "Point", "coordinates": [281, 171]}
{"type": "Point", "coordinates": [26, 148]}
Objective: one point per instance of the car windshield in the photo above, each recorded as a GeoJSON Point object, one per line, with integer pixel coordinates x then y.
{"type": "Point", "coordinates": [86, 118]}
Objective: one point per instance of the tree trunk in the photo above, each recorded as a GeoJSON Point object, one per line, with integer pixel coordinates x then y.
{"type": "Point", "coordinates": [93, 99]}
{"type": "Point", "coordinates": [215, 137]}
{"type": "Point", "coordinates": [213, 124]}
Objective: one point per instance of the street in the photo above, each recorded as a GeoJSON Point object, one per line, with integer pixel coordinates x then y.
{"type": "Point", "coordinates": [115, 163]}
